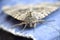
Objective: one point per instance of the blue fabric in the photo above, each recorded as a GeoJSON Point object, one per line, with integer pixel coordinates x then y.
{"type": "Point", "coordinates": [46, 31]}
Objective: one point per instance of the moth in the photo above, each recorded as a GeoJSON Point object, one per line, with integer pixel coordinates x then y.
{"type": "Point", "coordinates": [30, 14]}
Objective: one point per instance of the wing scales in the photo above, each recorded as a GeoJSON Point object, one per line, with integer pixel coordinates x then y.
{"type": "Point", "coordinates": [38, 11]}
{"type": "Point", "coordinates": [43, 12]}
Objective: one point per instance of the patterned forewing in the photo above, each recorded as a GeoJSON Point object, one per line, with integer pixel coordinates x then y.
{"type": "Point", "coordinates": [19, 14]}
{"type": "Point", "coordinates": [38, 12]}
{"type": "Point", "coordinates": [43, 11]}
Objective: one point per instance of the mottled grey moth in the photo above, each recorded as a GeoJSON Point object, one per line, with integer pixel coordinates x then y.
{"type": "Point", "coordinates": [30, 14]}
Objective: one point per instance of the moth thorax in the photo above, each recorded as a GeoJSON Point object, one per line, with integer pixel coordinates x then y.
{"type": "Point", "coordinates": [30, 18]}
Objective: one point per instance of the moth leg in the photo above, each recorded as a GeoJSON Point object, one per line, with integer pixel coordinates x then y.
{"type": "Point", "coordinates": [18, 24]}
{"type": "Point", "coordinates": [24, 28]}
{"type": "Point", "coordinates": [45, 21]}
{"type": "Point", "coordinates": [40, 21]}
{"type": "Point", "coordinates": [34, 26]}
{"type": "Point", "coordinates": [50, 20]}
{"type": "Point", "coordinates": [30, 25]}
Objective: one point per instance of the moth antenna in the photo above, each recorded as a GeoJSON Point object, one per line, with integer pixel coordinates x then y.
{"type": "Point", "coordinates": [46, 21]}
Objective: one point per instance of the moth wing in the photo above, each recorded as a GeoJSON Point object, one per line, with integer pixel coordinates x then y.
{"type": "Point", "coordinates": [15, 12]}
{"type": "Point", "coordinates": [44, 11]}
